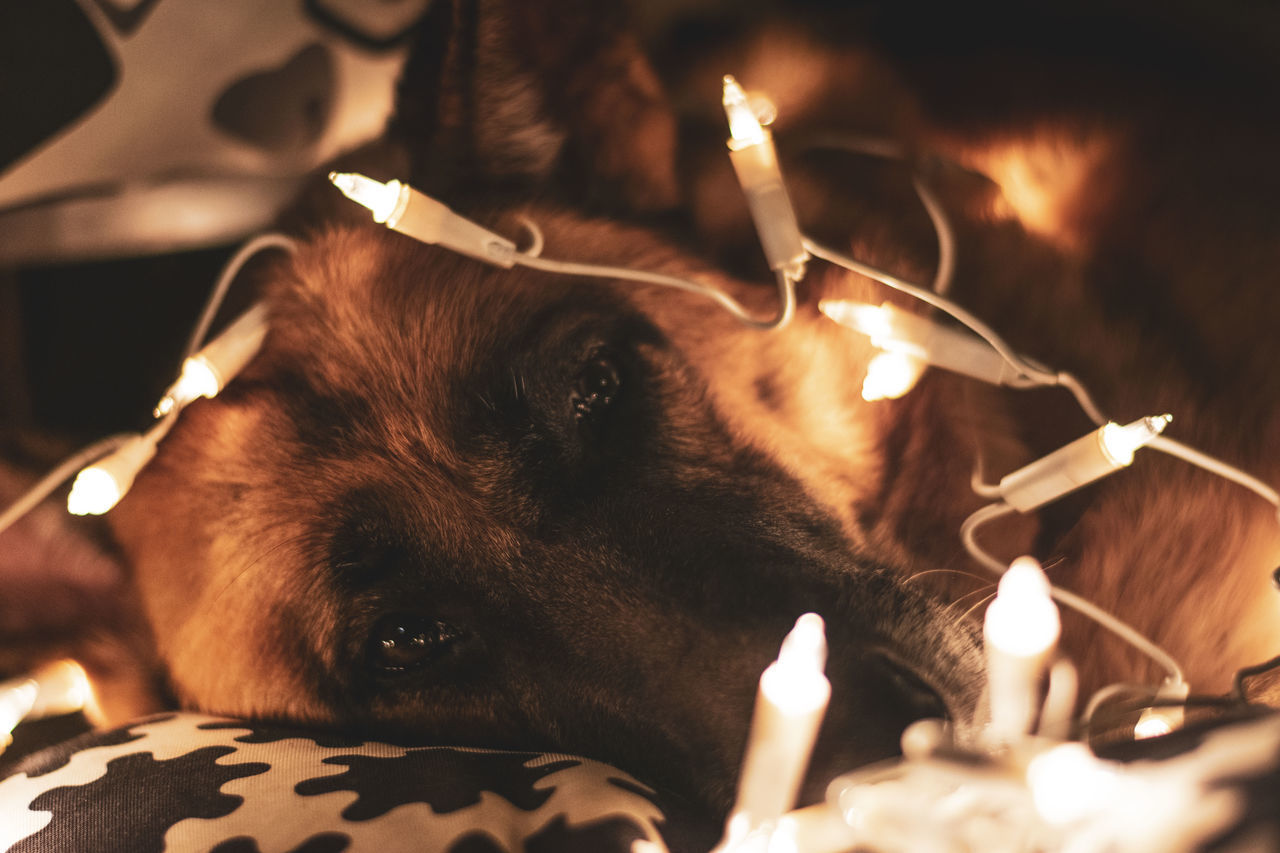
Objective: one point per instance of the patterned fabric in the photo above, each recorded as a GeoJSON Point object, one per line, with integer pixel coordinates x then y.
{"type": "Point", "coordinates": [187, 782]}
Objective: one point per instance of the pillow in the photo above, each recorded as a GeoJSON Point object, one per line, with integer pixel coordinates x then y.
{"type": "Point", "coordinates": [184, 781]}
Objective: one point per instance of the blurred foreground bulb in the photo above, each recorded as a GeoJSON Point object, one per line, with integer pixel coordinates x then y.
{"type": "Point", "coordinates": [1068, 783]}
{"type": "Point", "coordinates": [100, 487]}
{"type": "Point", "coordinates": [1150, 725]}
{"type": "Point", "coordinates": [790, 705]}
{"type": "Point", "coordinates": [1167, 716]}
{"type": "Point", "coordinates": [1023, 620]}
{"type": "Point", "coordinates": [55, 689]}
{"type": "Point", "coordinates": [1020, 632]}
{"type": "Point", "coordinates": [890, 375]}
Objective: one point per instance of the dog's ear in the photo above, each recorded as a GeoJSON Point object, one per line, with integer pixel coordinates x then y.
{"type": "Point", "coordinates": [536, 93]}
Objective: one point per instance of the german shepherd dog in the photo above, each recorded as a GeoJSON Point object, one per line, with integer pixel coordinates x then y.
{"type": "Point", "coordinates": [505, 507]}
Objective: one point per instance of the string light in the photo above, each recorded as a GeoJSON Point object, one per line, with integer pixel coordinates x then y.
{"type": "Point", "coordinates": [917, 341]}
{"type": "Point", "coordinates": [58, 688]}
{"type": "Point", "coordinates": [790, 705]}
{"type": "Point", "coordinates": [1104, 451]}
{"type": "Point", "coordinates": [427, 220]}
{"type": "Point", "coordinates": [756, 163]}
{"type": "Point", "coordinates": [207, 372]}
{"type": "Point", "coordinates": [1068, 783]}
{"type": "Point", "coordinates": [1020, 631]}
{"type": "Point", "coordinates": [415, 214]}
{"type": "Point", "coordinates": [890, 375]}
{"type": "Point", "coordinates": [100, 486]}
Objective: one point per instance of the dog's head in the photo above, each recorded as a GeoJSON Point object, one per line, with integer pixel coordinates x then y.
{"type": "Point", "coordinates": [507, 507]}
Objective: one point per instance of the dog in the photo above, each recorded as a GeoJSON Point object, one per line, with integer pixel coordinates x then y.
{"type": "Point", "coordinates": [483, 506]}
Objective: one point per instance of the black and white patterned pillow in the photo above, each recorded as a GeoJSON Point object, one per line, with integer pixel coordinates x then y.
{"type": "Point", "coordinates": [191, 782]}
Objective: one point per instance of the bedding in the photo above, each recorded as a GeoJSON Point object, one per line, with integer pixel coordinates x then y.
{"type": "Point", "coordinates": [186, 782]}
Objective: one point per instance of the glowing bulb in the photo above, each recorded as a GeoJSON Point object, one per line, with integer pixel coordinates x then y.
{"type": "Point", "coordinates": [207, 372]}
{"type": "Point", "coordinates": [874, 321]}
{"type": "Point", "coordinates": [402, 208]}
{"type": "Point", "coordinates": [790, 705]}
{"type": "Point", "coordinates": [1161, 720]}
{"type": "Point", "coordinates": [927, 342]}
{"type": "Point", "coordinates": [755, 162]}
{"type": "Point", "coordinates": [197, 380]}
{"type": "Point", "coordinates": [1120, 442]}
{"type": "Point", "coordinates": [17, 698]}
{"type": "Point", "coordinates": [795, 683]}
{"type": "Point", "coordinates": [94, 492]}
{"type": "Point", "coordinates": [64, 689]}
{"type": "Point", "coordinates": [744, 126]}
{"type": "Point", "coordinates": [890, 375]}
{"type": "Point", "coordinates": [1149, 725]}
{"type": "Point", "coordinates": [1020, 630]}
{"type": "Point", "coordinates": [1091, 457]}
{"type": "Point", "coordinates": [1023, 620]}
{"type": "Point", "coordinates": [1068, 783]}
{"type": "Point", "coordinates": [381, 199]}
{"type": "Point", "coordinates": [100, 486]}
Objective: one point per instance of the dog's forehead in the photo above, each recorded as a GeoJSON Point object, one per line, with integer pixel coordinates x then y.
{"type": "Point", "coordinates": [389, 298]}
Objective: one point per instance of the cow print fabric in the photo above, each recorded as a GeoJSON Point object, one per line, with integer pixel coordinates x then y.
{"type": "Point", "coordinates": [188, 782]}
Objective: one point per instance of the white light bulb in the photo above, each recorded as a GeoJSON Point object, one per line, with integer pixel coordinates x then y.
{"type": "Point", "coordinates": [871, 320]}
{"type": "Point", "coordinates": [744, 127]}
{"type": "Point", "coordinates": [1091, 457]}
{"type": "Point", "coordinates": [381, 199]}
{"type": "Point", "coordinates": [94, 492]}
{"type": "Point", "coordinates": [755, 162]}
{"type": "Point", "coordinates": [890, 375]}
{"type": "Point", "coordinates": [100, 486]}
{"type": "Point", "coordinates": [1120, 442]}
{"type": "Point", "coordinates": [1150, 725]}
{"type": "Point", "coordinates": [198, 379]}
{"type": "Point", "coordinates": [795, 683]}
{"type": "Point", "coordinates": [790, 704]}
{"type": "Point", "coordinates": [17, 698]}
{"type": "Point", "coordinates": [1023, 620]}
{"type": "Point", "coordinates": [1068, 783]}
{"type": "Point", "coordinates": [402, 208]}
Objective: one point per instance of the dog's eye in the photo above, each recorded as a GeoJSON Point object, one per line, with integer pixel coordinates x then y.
{"type": "Point", "coordinates": [596, 387]}
{"type": "Point", "coordinates": [403, 642]}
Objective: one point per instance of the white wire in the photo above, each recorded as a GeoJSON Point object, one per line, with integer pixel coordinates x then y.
{"type": "Point", "coordinates": [1121, 629]}
{"type": "Point", "coordinates": [230, 270]}
{"type": "Point", "coordinates": [1215, 466]}
{"type": "Point", "coordinates": [1087, 405]}
{"type": "Point", "coordinates": [943, 231]}
{"type": "Point", "coordinates": [887, 149]}
{"type": "Point", "coordinates": [1024, 367]}
{"type": "Point", "coordinates": [59, 475]}
{"type": "Point", "coordinates": [970, 526]}
{"type": "Point", "coordinates": [786, 286]}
